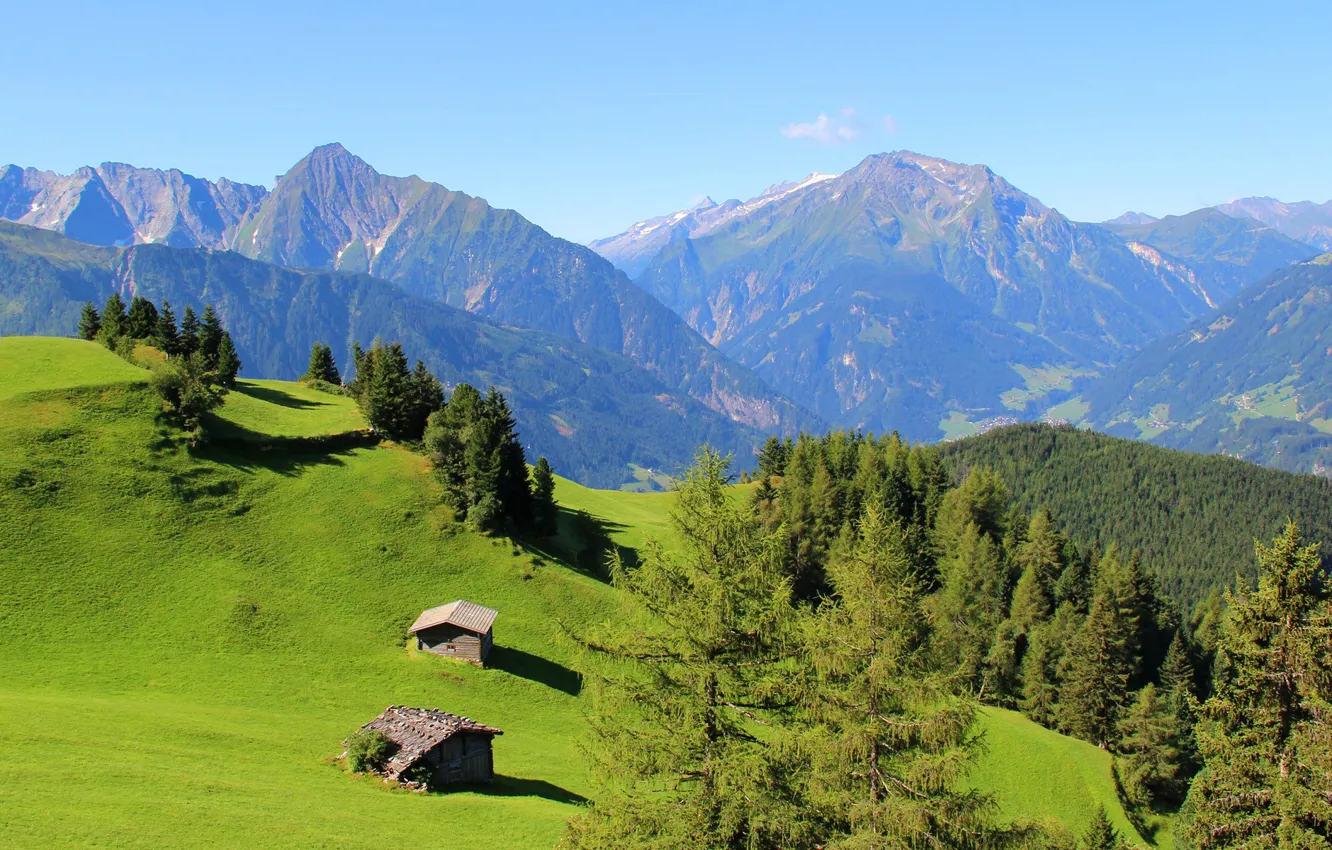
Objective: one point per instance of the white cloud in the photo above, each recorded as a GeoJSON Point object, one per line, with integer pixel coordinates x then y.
{"type": "Point", "coordinates": [838, 130]}
{"type": "Point", "coordinates": [889, 124]}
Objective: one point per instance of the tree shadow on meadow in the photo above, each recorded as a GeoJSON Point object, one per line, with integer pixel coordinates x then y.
{"type": "Point", "coordinates": [584, 543]}
{"type": "Point", "coordinates": [513, 786]}
{"type": "Point", "coordinates": [278, 397]}
{"type": "Point", "coordinates": [233, 445]}
{"type": "Point", "coordinates": [534, 668]}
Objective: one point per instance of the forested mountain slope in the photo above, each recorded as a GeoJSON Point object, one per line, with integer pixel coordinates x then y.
{"type": "Point", "coordinates": [1253, 380]}
{"type": "Point", "coordinates": [593, 413]}
{"type": "Point", "coordinates": [1193, 518]}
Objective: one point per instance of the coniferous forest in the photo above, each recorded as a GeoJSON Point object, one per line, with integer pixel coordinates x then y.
{"type": "Point", "coordinates": [806, 667]}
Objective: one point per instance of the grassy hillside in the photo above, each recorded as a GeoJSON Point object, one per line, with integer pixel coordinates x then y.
{"type": "Point", "coordinates": [185, 640]}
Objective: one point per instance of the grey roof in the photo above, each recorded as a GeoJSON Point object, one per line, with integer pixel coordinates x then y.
{"type": "Point", "coordinates": [460, 613]}
{"type": "Point", "coordinates": [418, 730]}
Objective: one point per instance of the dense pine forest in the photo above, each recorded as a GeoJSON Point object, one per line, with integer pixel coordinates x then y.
{"type": "Point", "coordinates": [806, 667]}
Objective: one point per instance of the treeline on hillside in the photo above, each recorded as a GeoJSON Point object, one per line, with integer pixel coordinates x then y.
{"type": "Point", "coordinates": [472, 440]}
{"type": "Point", "coordinates": [200, 361]}
{"type": "Point", "coordinates": [804, 670]}
{"type": "Point", "coordinates": [1193, 518]}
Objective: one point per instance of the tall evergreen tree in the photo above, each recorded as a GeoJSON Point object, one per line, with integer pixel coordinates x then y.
{"type": "Point", "coordinates": [141, 321]}
{"type": "Point", "coordinates": [322, 366]}
{"type": "Point", "coordinates": [167, 335]}
{"type": "Point", "coordinates": [1266, 733]}
{"type": "Point", "coordinates": [448, 431]}
{"type": "Point", "coordinates": [228, 361]}
{"type": "Point", "coordinates": [90, 322]}
{"type": "Point", "coordinates": [682, 679]}
{"type": "Point", "coordinates": [1095, 676]}
{"type": "Point", "coordinates": [889, 740]}
{"type": "Point", "coordinates": [1153, 757]}
{"type": "Point", "coordinates": [969, 607]}
{"type": "Point", "coordinates": [385, 390]}
{"type": "Point", "coordinates": [210, 336]}
{"type": "Point", "coordinates": [772, 458]}
{"type": "Point", "coordinates": [425, 395]}
{"type": "Point", "coordinates": [114, 322]}
{"type": "Point", "coordinates": [509, 462]}
{"type": "Point", "coordinates": [189, 332]}
{"type": "Point", "coordinates": [545, 512]}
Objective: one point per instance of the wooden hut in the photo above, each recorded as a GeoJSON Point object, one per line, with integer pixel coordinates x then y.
{"type": "Point", "coordinates": [450, 748]}
{"type": "Point", "coordinates": [460, 629]}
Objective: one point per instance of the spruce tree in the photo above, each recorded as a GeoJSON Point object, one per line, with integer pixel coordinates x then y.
{"type": "Point", "coordinates": [322, 366]}
{"type": "Point", "coordinates": [210, 336]}
{"type": "Point", "coordinates": [1154, 759]}
{"type": "Point", "coordinates": [141, 321]}
{"type": "Point", "coordinates": [1100, 834]}
{"type": "Point", "coordinates": [228, 361]}
{"type": "Point", "coordinates": [90, 322]}
{"type": "Point", "coordinates": [889, 740]}
{"type": "Point", "coordinates": [189, 332]}
{"type": "Point", "coordinates": [114, 324]}
{"type": "Point", "coordinates": [1265, 734]}
{"type": "Point", "coordinates": [1095, 675]}
{"type": "Point", "coordinates": [512, 487]}
{"type": "Point", "coordinates": [969, 607]}
{"type": "Point", "coordinates": [425, 395]}
{"type": "Point", "coordinates": [772, 458]}
{"type": "Point", "coordinates": [167, 335]}
{"type": "Point", "coordinates": [448, 432]}
{"type": "Point", "coordinates": [681, 680]}
{"type": "Point", "coordinates": [545, 512]}
{"type": "Point", "coordinates": [385, 390]}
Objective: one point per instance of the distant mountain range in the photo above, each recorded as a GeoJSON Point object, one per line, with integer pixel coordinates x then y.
{"type": "Point", "coordinates": [842, 292]}
{"type": "Point", "coordinates": [909, 293]}
{"type": "Point", "coordinates": [598, 417]}
{"type": "Point", "coordinates": [333, 211]}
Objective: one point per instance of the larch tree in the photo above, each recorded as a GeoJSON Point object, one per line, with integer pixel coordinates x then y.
{"type": "Point", "coordinates": [682, 683]}
{"type": "Point", "coordinates": [1265, 734]}
{"type": "Point", "coordinates": [890, 741]}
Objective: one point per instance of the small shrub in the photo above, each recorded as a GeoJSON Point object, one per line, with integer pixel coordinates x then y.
{"type": "Point", "coordinates": [368, 750]}
{"type": "Point", "coordinates": [322, 386]}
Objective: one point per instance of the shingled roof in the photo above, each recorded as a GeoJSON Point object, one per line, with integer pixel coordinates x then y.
{"type": "Point", "coordinates": [460, 613]}
{"type": "Point", "coordinates": [417, 730]}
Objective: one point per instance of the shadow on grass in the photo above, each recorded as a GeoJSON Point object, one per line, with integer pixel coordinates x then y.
{"type": "Point", "coordinates": [534, 668]}
{"type": "Point", "coordinates": [230, 444]}
{"type": "Point", "coordinates": [513, 786]}
{"type": "Point", "coordinates": [584, 543]}
{"type": "Point", "coordinates": [278, 397]}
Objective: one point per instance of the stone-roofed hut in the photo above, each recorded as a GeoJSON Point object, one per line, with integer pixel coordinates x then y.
{"type": "Point", "coordinates": [450, 748]}
{"type": "Point", "coordinates": [460, 629]}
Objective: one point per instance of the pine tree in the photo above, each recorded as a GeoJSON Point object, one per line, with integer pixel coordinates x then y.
{"type": "Point", "coordinates": [90, 322]}
{"type": "Point", "coordinates": [1266, 732]}
{"type": "Point", "coordinates": [889, 742]}
{"type": "Point", "coordinates": [1153, 761]}
{"type": "Point", "coordinates": [228, 361]}
{"type": "Point", "coordinates": [1095, 675]}
{"type": "Point", "coordinates": [189, 332]}
{"type": "Point", "coordinates": [210, 336]}
{"type": "Point", "coordinates": [141, 321]}
{"type": "Point", "coordinates": [1100, 834]}
{"type": "Point", "coordinates": [167, 335]}
{"type": "Point", "coordinates": [425, 395]}
{"type": "Point", "coordinates": [969, 607]}
{"type": "Point", "coordinates": [545, 512]}
{"type": "Point", "coordinates": [681, 679]}
{"type": "Point", "coordinates": [114, 323]}
{"type": "Point", "coordinates": [322, 366]}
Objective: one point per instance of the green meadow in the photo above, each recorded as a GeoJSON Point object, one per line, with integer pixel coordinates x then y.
{"type": "Point", "coordinates": [186, 638]}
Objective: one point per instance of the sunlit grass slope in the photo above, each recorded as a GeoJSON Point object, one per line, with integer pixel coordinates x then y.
{"type": "Point", "coordinates": [184, 639]}
{"type": "Point", "coordinates": [285, 409]}
{"type": "Point", "coordinates": [51, 363]}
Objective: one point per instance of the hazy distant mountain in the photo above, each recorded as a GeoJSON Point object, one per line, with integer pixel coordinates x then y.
{"type": "Point", "coordinates": [1053, 297]}
{"type": "Point", "coordinates": [1130, 218]}
{"type": "Point", "coordinates": [332, 210]}
{"type": "Point", "coordinates": [117, 204]}
{"type": "Point", "coordinates": [1252, 380]}
{"type": "Point", "coordinates": [593, 413]}
{"type": "Point", "coordinates": [1303, 220]}
{"type": "Point", "coordinates": [632, 251]}
{"type": "Point", "coordinates": [1227, 253]}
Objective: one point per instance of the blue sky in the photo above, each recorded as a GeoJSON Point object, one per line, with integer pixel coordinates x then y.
{"type": "Point", "coordinates": [587, 117]}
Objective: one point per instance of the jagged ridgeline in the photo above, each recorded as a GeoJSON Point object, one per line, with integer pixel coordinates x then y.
{"type": "Point", "coordinates": [1192, 518]}
{"type": "Point", "coordinates": [597, 416]}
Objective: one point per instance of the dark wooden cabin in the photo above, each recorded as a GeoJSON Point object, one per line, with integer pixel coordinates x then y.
{"type": "Point", "coordinates": [458, 630]}
{"type": "Point", "coordinates": [450, 748]}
